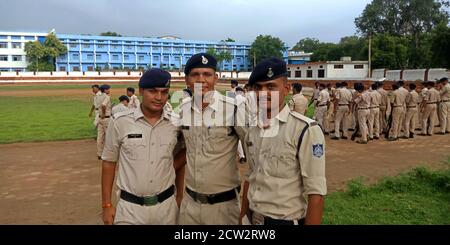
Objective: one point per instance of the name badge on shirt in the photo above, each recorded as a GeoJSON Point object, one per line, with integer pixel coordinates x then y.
{"type": "Point", "coordinates": [134, 136]}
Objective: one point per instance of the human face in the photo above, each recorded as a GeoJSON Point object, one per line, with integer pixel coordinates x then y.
{"type": "Point", "coordinates": [95, 90]}
{"type": "Point", "coordinates": [154, 99]}
{"type": "Point", "coordinates": [129, 94]}
{"type": "Point", "coordinates": [107, 91]}
{"type": "Point", "coordinates": [125, 103]}
{"type": "Point", "coordinates": [265, 91]}
{"type": "Point", "coordinates": [207, 77]}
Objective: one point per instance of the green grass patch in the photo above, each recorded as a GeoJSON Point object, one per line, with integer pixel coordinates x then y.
{"type": "Point", "coordinates": [420, 196]}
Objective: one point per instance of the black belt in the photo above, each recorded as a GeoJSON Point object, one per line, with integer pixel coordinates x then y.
{"type": "Point", "coordinates": [376, 107]}
{"type": "Point", "coordinates": [343, 104]}
{"type": "Point", "coordinates": [213, 198]}
{"type": "Point", "coordinates": [412, 106]}
{"type": "Point", "coordinates": [148, 201]}
{"type": "Point", "coordinates": [431, 103]}
{"type": "Point", "coordinates": [363, 108]}
{"type": "Point", "coordinates": [272, 221]}
{"type": "Point", "coordinates": [395, 106]}
{"type": "Point", "coordinates": [106, 116]}
{"type": "Point", "coordinates": [446, 101]}
{"type": "Point", "coordinates": [321, 105]}
{"type": "Point", "coordinates": [96, 109]}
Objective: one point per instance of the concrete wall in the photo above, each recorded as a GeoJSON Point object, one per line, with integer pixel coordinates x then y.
{"type": "Point", "coordinates": [414, 75]}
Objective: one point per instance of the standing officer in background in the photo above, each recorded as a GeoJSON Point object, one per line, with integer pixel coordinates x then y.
{"type": "Point", "coordinates": [429, 106]}
{"type": "Point", "coordinates": [298, 103]}
{"type": "Point", "coordinates": [95, 105]}
{"type": "Point", "coordinates": [404, 93]}
{"type": "Point", "coordinates": [374, 117]}
{"type": "Point", "coordinates": [444, 106]}
{"type": "Point", "coordinates": [362, 101]}
{"type": "Point", "coordinates": [134, 100]}
{"type": "Point", "coordinates": [122, 106]}
{"type": "Point", "coordinates": [104, 115]}
{"type": "Point", "coordinates": [212, 175]}
{"type": "Point", "coordinates": [143, 142]}
{"type": "Point", "coordinates": [343, 98]}
{"type": "Point", "coordinates": [384, 106]}
{"type": "Point", "coordinates": [412, 101]}
{"type": "Point", "coordinates": [321, 108]}
{"type": "Point", "coordinates": [286, 181]}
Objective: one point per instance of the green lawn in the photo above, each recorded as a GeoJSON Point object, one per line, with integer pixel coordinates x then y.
{"type": "Point", "coordinates": [421, 196]}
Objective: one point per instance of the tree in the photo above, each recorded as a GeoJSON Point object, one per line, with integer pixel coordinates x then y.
{"type": "Point", "coordinates": [220, 55]}
{"type": "Point", "coordinates": [307, 45]}
{"type": "Point", "coordinates": [41, 57]}
{"type": "Point", "coordinates": [229, 40]}
{"type": "Point", "coordinates": [389, 52]}
{"type": "Point", "coordinates": [110, 34]}
{"type": "Point", "coordinates": [440, 46]}
{"type": "Point", "coordinates": [401, 17]}
{"type": "Point", "coordinates": [265, 47]}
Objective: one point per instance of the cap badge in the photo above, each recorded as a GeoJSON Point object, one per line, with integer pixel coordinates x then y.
{"type": "Point", "coordinates": [204, 60]}
{"type": "Point", "coordinates": [270, 73]}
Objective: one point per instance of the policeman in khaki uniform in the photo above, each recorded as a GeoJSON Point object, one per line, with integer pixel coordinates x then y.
{"type": "Point", "coordinates": [95, 103]}
{"type": "Point", "coordinates": [384, 106]}
{"type": "Point", "coordinates": [374, 117]}
{"type": "Point", "coordinates": [398, 102]}
{"type": "Point", "coordinates": [429, 106]}
{"type": "Point", "coordinates": [321, 108]}
{"type": "Point", "coordinates": [285, 183]}
{"type": "Point", "coordinates": [143, 142]}
{"type": "Point", "coordinates": [444, 106]}
{"type": "Point", "coordinates": [404, 92]}
{"type": "Point", "coordinates": [211, 136]}
{"type": "Point", "coordinates": [362, 101]}
{"type": "Point", "coordinates": [134, 100]}
{"type": "Point", "coordinates": [412, 101]}
{"type": "Point", "coordinates": [343, 98]}
{"type": "Point", "coordinates": [105, 108]}
{"type": "Point", "coordinates": [298, 103]}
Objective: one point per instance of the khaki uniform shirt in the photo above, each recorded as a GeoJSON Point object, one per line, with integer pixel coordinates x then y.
{"type": "Point", "coordinates": [445, 93]}
{"type": "Point", "coordinates": [363, 102]}
{"type": "Point", "coordinates": [412, 100]}
{"type": "Point", "coordinates": [344, 96]}
{"type": "Point", "coordinates": [433, 96]}
{"type": "Point", "coordinates": [118, 108]}
{"type": "Point", "coordinates": [398, 98]}
{"type": "Point", "coordinates": [211, 146]}
{"type": "Point", "coordinates": [134, 102]}
{"type": "Point", "coordinates": [375, 99]}
{"type": "Point", "coordinates": [298, 103]}
{"type": "Point", "coordinates": [144, 152]}
{"type": "Point", "coordinates": [287, 163]}
{"type": "Point", "coordinates": [384, 97]}
{"type": "Point", "coordinates": [106, 101]}
{"type": "Point", "coordinates": [96, 101]}
{"type": "Point", "coordinates": [324, 97]}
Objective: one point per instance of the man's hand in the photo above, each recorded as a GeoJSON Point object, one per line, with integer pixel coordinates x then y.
{"type": "Point", "coordinates": [108, 215]}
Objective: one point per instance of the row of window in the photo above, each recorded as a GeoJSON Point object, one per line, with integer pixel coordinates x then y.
{"type": "Point", "coordinates": [154, 43]}
{"type": "Point", "coordinates": [91, 68]}
{"type": "Point", "coordinates": [13, 45]}
{"type": "Point", "coordinates": [17, 37]}
{"type": "Point", "coordinates": [320, 72]}
{"type": "Point", "coordinates": [127, 57]}
{"type": "Point", "coordinates": [13, 58]}
{"type": "Point", "coordinates": [154, 48]}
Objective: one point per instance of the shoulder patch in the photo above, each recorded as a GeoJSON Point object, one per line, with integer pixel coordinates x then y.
{"type": "Point", "coordinates": [122, 113]}
{"type": "Point", "coordinates": [303, 118]}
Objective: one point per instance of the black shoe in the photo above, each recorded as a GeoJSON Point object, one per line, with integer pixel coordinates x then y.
{"type": "Point", "coordinates": [334, 138]}
{"type": "Point", "coordinates": [370, 138]}
{"type": "Point", "coordinates": [332, 132]}
{"type": "Point", "coordinates": [392, 139]}
{"type": "Point", "coordinates": [361, 142]}
{"type": "Point", "coordinates": [376, 138]}
{"type": "Point", "coordinates": [429, 135]}
{"type": "Point", "coordinates": [344, 138]}
{"type": "Point", "coordinates": [447, 132]}
{"type": "Point", "coordinates": [404, 137]}
{"type": "Point", "coordinates": [422, 134]}
{"type": "Point", "coordinates": [242, 160]}
{"type": "Point", "coordinates": [411, 136]}
{"type": "Point", "coordinates": [99, 158]}
{"type": "Point", "coordinates": [326, 133]}
{"type": "Point", "coordinates": [351, 130]}
{"type": "Point", "coordinates": [440, 133]}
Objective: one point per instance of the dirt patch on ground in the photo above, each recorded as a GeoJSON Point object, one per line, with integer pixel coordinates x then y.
{"type": "Point", "coordinates": [59, 182]}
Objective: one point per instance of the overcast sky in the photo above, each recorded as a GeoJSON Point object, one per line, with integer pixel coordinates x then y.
{"type": "Point", "coordinates": [290, 20]}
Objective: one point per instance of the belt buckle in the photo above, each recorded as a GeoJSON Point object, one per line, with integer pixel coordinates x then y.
{"type": "Point", "coordinates": [202, 198]}
{"type": "Point", "coordinates": [150, 201]}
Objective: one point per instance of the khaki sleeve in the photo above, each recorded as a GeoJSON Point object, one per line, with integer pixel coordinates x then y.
{"type": "Point", "coordinates": [312, 161]}
{"type": "Point", "coordinates": [248, 157]}
{"type": "Point", "coordinates": [106, 101]}
{"type": "Point", "coordinates": [112, 143]}
{"type": "Point", "coordinates": [291, 104]}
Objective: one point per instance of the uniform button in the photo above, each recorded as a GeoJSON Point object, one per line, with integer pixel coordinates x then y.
{"type": "Point", "coordinates": [151, 181]}
{"type": "Point", "coordinates": [153, 143]}
{"type": "Point", "coordinates": [259, 188]}
{"type": "Point", "coordinates": [151, 162]}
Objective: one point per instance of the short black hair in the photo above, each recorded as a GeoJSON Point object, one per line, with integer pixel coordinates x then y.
{"type": "Point", "coordinates": [239, 89]}
{"type": "Point", "coordinates": [322, 85]}
{"type": "Point", "coordinates": [374, 86]}
{"type": "Point", "coordinates": [401, 83]}
{"type": "Point", "coordinates": [359, 87]}
{"type": "Point", "coordinates": [395, 86]}
{"type": "Point", "coordinates": [124, 97]}
{"type": "Point", "coordinates": [95, 86]}
{"type": "Point", "coordinates": [338, 85]}
{"type": "Point", "coordinates": [344, 84]}
{"type": "Point", "coordinates": [297, 87]}
{"type": "Point", "coordinates": [412, 86]}
{"type": "Point", "coordinates": [130, 89]}
{"type": "Point", "coordinates": [234, 82]}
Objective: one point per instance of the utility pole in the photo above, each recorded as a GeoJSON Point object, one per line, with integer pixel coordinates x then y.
{"type": "Point", "coordinates": [254, 59]}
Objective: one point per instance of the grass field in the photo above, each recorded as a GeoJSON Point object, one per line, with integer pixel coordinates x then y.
{"type": "Point", "coordinates": [421, 196]}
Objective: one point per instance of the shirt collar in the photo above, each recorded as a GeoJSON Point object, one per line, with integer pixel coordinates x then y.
{"type": "Point", "coordinates": [139, 114]}
{"type": "Point", "coordinates": [216, 98]}
{"type": "Point", "coordinates": [282, 116]}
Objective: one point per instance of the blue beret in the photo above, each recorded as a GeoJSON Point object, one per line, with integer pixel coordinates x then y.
{"type": "Point", "coordinates": [104, 87]}
{"type": "Point", "coordinates": [201, 60]}
{"type": "Point", "coordinates": [443, 79]}
{"type": "Point", "coordinates": [268, 69]}
{"type": "Point", "coordinates": [155, 78]}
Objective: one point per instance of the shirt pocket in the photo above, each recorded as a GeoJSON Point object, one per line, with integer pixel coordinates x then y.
{"type": "Point", "coordinates": [134, 148]}
{"type": "Point", "coordinates": [188, 140]}
{"type": "Point", "coordinates": [167, 144]}
{"type": "Point", "coordinates": [282, 163]}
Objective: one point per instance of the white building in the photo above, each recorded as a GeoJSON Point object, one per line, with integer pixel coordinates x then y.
{"type": "Point", "coordinates": [298, 58]}
{"type": "Point", "coordinates": [343, 69]}
{"type": "Point", "coordinates": [12, 49]}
